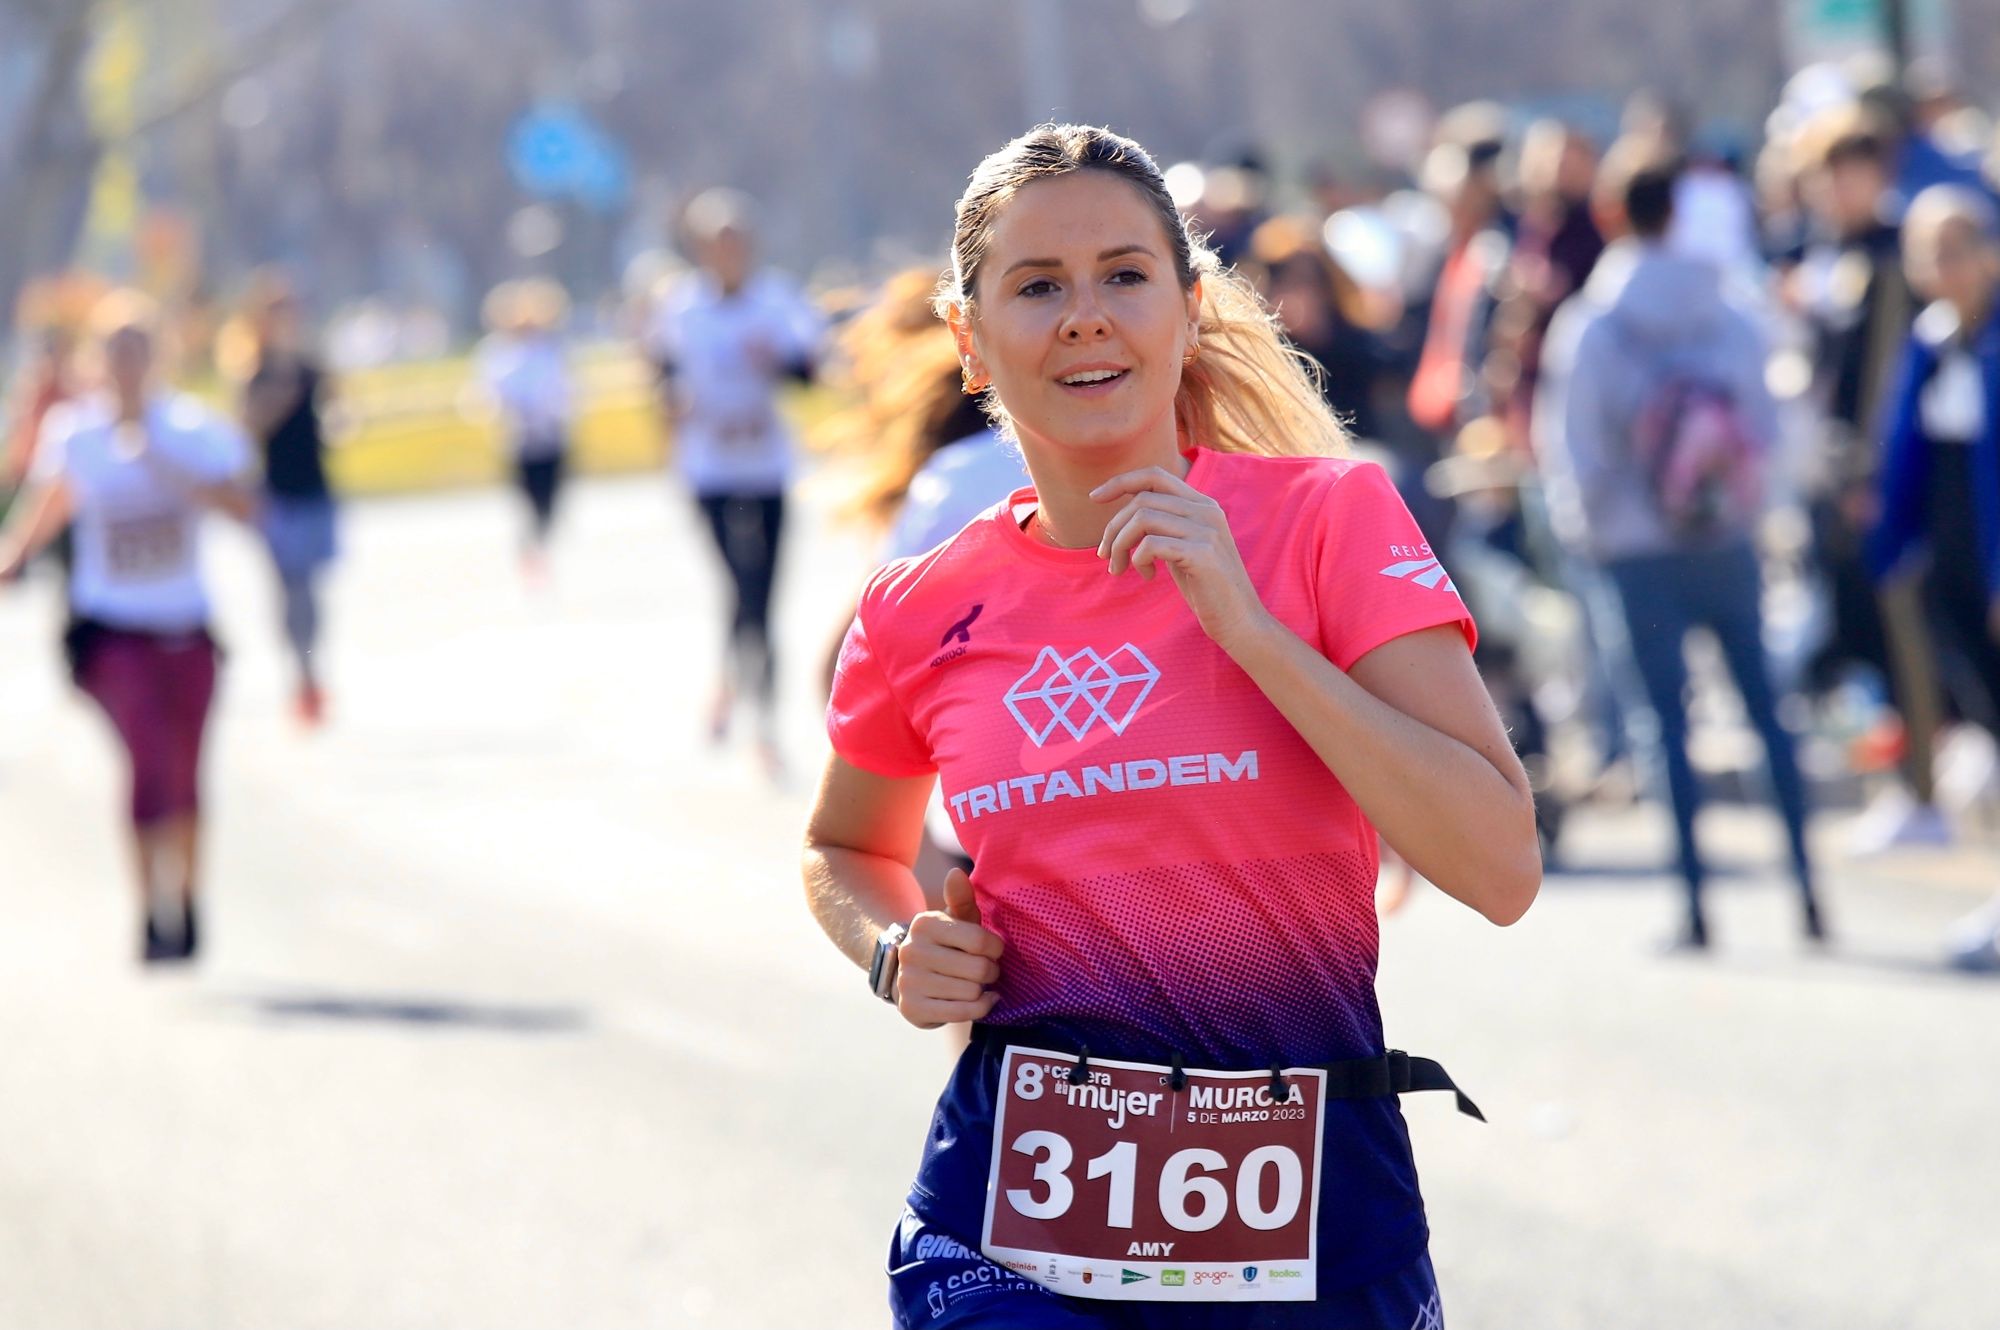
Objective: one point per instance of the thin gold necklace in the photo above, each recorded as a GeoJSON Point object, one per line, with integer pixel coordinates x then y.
{"type": "Point", "coordinates": [1049, 535]}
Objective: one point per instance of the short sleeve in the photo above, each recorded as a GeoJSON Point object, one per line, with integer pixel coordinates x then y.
{"type": "Point", "coordinates": [797, 324]}
{"type": "Point", "coordinates": [51, 456]}
{"type": "Point", "coordinates": [562, 386]}
{"type": "Point", "coordinates": [919, 523]}
{"type": "Point", "coordinates": [864, 718]}
{"type": "Point", "coordinates": [663, 333]}
{"type": "Point", "coordinates": [951, 489]}
{"type": "Point", "coordinates": [486, 369]}
{"type": "Point", "coordinates": [228, 453]}
{"type": "Point", "coordinates": [1376, 577]}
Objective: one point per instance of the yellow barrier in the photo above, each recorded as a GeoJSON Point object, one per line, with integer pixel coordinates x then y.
{"type": "Point", "coordinates": [416, 426]}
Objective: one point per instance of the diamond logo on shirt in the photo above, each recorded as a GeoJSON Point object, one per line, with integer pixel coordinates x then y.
{"type": "Point", "coordinates": [1081, 690]}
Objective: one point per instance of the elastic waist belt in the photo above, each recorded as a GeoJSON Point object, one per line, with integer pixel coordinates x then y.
{"type": "Point", "coordinates": [1393, 1073]}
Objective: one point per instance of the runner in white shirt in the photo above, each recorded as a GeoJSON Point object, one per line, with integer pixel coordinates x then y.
{"type": "Point", "coordinates": [523, 368]}
{"type": "Point", "coordinates": [962, 480]}
{"type": "Point", "coordinates": [136, 468]}
{"type": "Point", "coordinates": [724, 340]}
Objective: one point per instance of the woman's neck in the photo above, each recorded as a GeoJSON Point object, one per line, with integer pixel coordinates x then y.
{"type": "Point", "coordinates": [129, 406]}
{"type": "Point", "coordinates": [1065, 514]}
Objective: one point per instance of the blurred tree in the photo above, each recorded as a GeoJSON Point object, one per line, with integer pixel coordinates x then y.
{"type": "Point", "coordinates": [57, 145]}
{"type": "Point", "coordinates": [50, 158]}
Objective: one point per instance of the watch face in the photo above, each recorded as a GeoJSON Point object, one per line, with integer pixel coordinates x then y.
{"type": "Point", "coordinates": [882, 972]}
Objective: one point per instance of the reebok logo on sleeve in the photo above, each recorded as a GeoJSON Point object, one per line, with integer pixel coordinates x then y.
{"type": "Point", "coordinates": [1417, 564]}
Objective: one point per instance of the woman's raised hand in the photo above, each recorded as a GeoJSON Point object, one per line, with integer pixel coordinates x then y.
{"type": "Point", "coordinates": [945, 966]}
{"type": "Point", "coordinates": [1167, 523]}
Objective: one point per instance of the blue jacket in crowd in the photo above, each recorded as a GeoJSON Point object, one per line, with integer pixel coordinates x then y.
{"type": "Point", "coordinates": [1903, 481]}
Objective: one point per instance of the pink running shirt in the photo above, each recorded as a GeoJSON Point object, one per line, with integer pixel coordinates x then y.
{"type": "Point", "coordinates": [1168, 862]}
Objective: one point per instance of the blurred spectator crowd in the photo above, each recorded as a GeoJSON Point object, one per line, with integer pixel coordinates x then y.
{"type": "Point", "coordinates": [1631, 388]}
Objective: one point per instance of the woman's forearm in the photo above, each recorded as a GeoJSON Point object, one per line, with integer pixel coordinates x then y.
{"type": "Point", "coordinates": [855, 895]}
{"type": "Point", "coordinates": [229, 497]}
{"type": "Point", "coordinates": [235, 496]}
{"type": "Point", "coordinates": [1446, 807]}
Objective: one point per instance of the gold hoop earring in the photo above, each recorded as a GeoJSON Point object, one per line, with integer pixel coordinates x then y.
{"type": "Point", "coordinates": [967, 386]}
{"type": "Point", "coordinates": [1192, 352]}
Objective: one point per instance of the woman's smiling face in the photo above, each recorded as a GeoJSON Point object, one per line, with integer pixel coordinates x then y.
{"type": "Point", "coordinates": [1078, 316]}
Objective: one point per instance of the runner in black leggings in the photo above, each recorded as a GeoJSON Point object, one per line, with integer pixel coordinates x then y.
{"type": "Point", "coordinates": [523, 367]}
{"type": "Point", "coordinates": [747, 529]}
{"type": "Point", "coordinates": [724, 341]}
{"type": "Point", "coordinates": [282, 404]}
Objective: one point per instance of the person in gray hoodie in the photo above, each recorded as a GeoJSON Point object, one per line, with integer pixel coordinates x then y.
{"type": "Point", "coordinates": [1655, 420]}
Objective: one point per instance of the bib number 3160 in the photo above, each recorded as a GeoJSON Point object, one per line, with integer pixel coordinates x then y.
{"type": "Point", "coordinates": [1117, 1185]}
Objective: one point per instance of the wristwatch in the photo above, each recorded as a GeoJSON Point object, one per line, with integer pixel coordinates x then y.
{"type": "Point", "coordinates": [882, 972]}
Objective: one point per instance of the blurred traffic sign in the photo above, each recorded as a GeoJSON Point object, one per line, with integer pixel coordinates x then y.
{"type": "Point", "coordinates": [555, 151]}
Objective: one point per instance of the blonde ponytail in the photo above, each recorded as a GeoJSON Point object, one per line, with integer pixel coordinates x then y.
{"type": "Point", "coordinates": [1248, 390]}
{"type": "Point", "coordinates": [899, 368]}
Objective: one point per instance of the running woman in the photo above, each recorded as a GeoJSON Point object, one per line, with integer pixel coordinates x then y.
{"type": "Point", "coordinates": [523, 368]}
{"type": "Point", "coordinates": [724, 341]}
{"type": "Point", "coordinates": [1171, 690]}
{"type": "Point", "coordinates": [284, 396]}
{"type": "Point", "coordinates": [136, 468]}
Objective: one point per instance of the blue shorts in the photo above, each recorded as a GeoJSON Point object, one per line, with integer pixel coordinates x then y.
{"type": "Point", "coordinates": [300, 533]}
{"type": "Point", "coordinates": [937, 1282]}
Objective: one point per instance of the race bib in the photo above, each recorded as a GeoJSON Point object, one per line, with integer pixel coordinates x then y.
{"type": "Point", "coordinates": [744, 429]}
{"type": "Point", "coordinates": [145, 548]}
{"type": "Point", "coordinates": [1123, 1187]}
